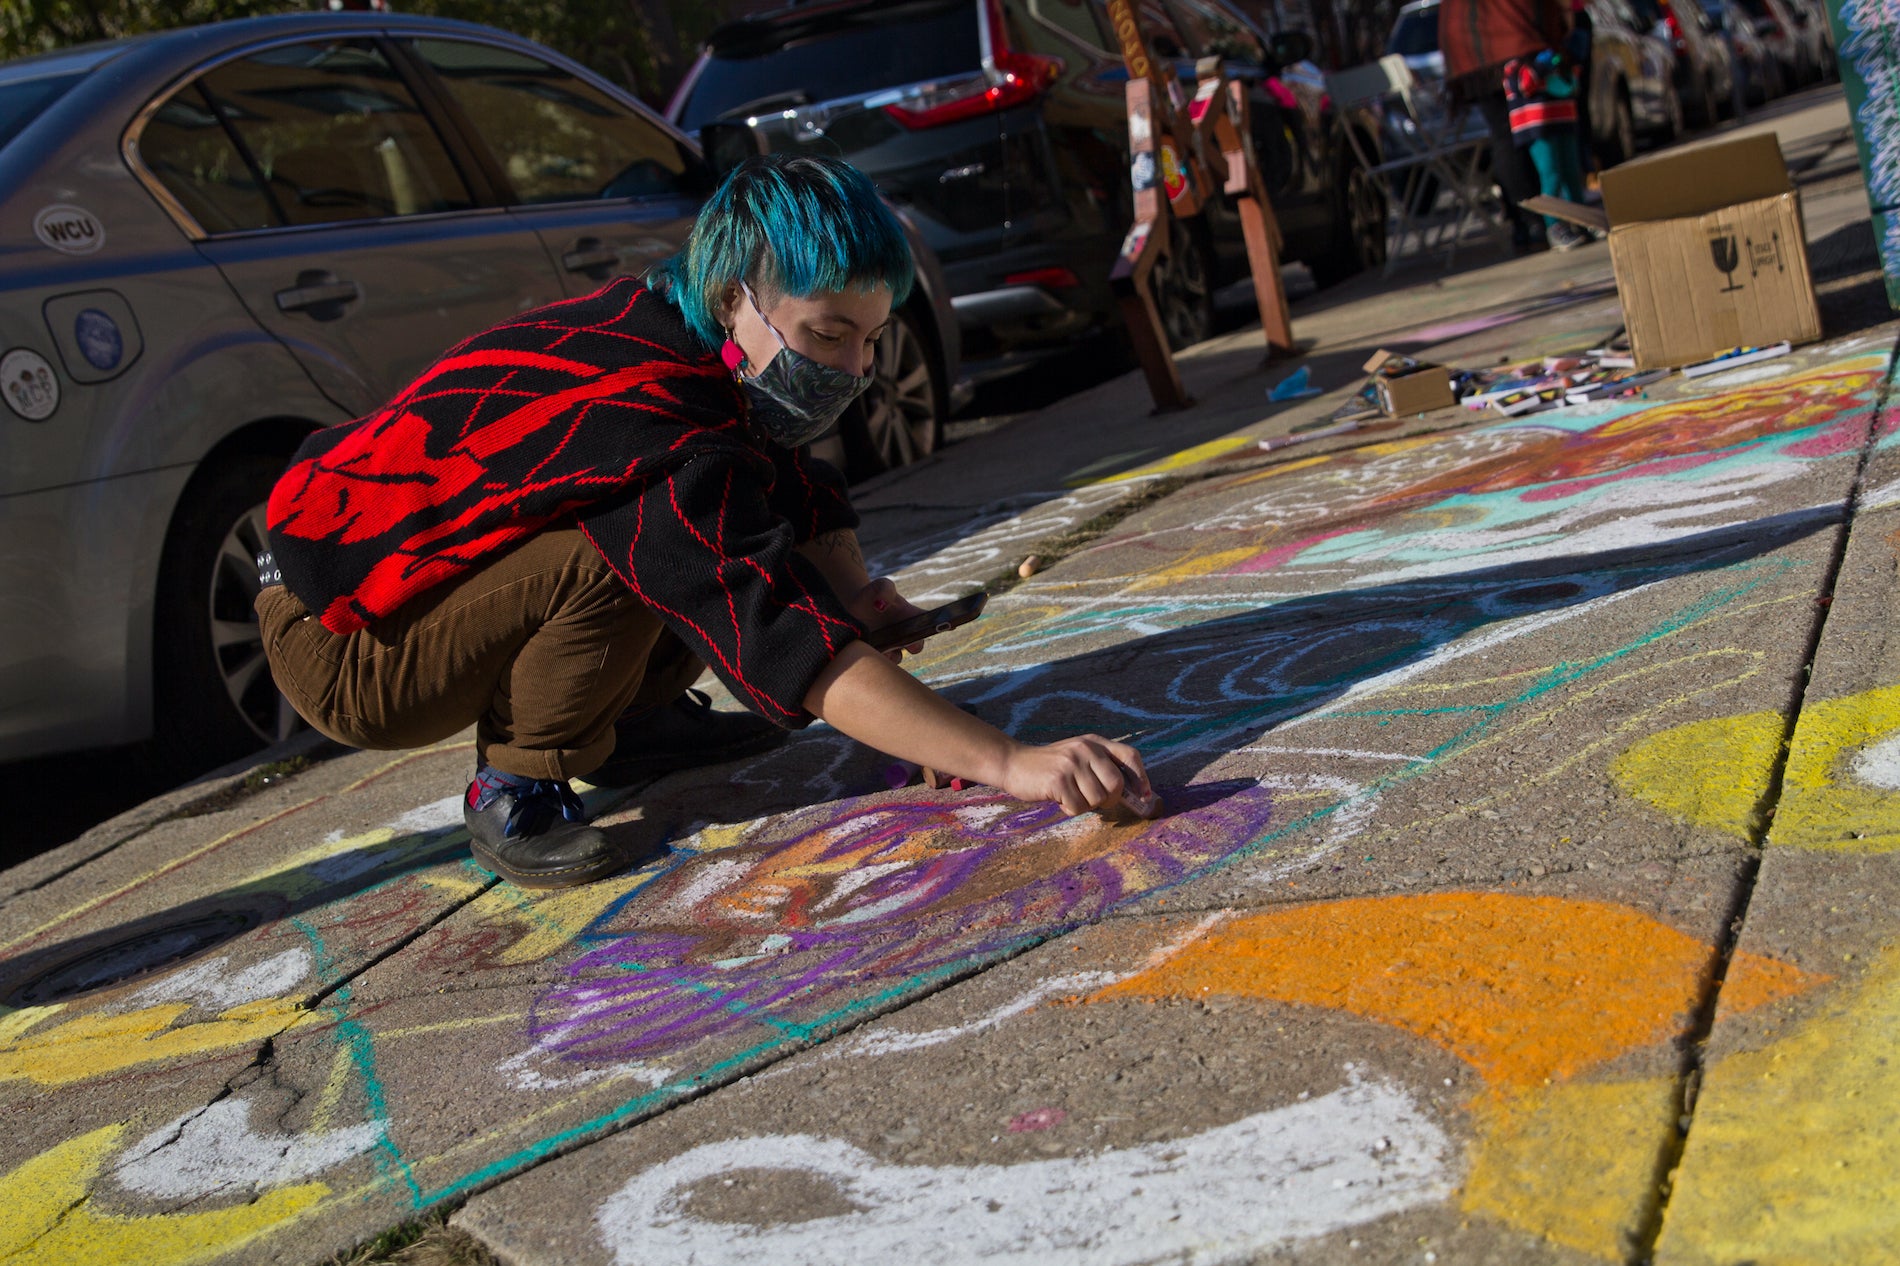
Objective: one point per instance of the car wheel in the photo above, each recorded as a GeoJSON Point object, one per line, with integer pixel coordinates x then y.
{"type": "Point", "coordinates": [1673, 125]}
{"type": "Point", "coordinates": [1708, 112]}
{"type": "Point", "coordinates": [1183, 298]}
{"type": "Point", "coordinates": [1619, 143]}
{"type": "Point", "coordinates": [215, 700]}
{"type": "Point", "coordinates": [1359, 228]}
{"type": "Point", "coordinates": [900, 416]}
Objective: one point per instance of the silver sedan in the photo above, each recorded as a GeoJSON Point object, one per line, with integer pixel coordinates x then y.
{"type": "Point", "coordinates": [214, 240]}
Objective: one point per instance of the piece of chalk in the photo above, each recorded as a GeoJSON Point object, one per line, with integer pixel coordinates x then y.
{"type": "Point", "coordinates": [899, 773]}
{"type": "Point", "coordinates": [934, 780]}
{"type": "Point", "coordinates": [1030, 566]}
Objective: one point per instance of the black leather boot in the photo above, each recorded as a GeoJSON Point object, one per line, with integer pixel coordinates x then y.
{"type": "Point", "coordinates": [534, 833]}
{"type": "Point", "coordinates": [684, 734]}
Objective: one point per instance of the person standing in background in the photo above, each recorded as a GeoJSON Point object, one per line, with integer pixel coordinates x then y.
{"type": "Point", "coordinates": [1478, 37]}
{"type": "Point", "coordinates": [1542, 94]}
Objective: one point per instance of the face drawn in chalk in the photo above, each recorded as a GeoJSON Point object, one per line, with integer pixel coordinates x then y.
{"type": "Point", "coordinates": [863, 896]}
{"type": "Point", "coordinates": [1361, 1152]}
{"type": "Point", "coordinates": [70, 230]}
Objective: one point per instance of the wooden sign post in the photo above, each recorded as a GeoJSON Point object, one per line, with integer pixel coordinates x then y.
{"type": "Point", "coordinates": [1169, 148]}
{"type": "Point", "coordinates": [1223, 127]}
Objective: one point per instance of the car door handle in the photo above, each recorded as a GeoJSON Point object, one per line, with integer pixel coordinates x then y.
{"type": "Point", "coordinates": [317, 289]}
{"type": "Point", "coordinates": [589, 254]}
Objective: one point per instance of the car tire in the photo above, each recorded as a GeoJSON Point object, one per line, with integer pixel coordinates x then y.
{"type": "Point", "coordinates": [1708, 111]}
{"type": "Point", "coordinates": [900, 417]}
{"type": "Point", "coordinates": [1358, 240]}
{"type": "Point", "coordinates": [1182, 286]}
{"type": "Point", "coordinates": [1618, 144]}
{"type": "Point", "coordinates": [214, 699]}
{"type": "Point", "coordinates": [1674, 124]}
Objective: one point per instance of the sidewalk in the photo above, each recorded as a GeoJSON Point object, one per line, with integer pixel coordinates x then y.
{"type": "Point", "coordinates": [1528, 896]}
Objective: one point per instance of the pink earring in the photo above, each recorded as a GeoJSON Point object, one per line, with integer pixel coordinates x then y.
{"type": "Point", "coordinates": [733, 355]}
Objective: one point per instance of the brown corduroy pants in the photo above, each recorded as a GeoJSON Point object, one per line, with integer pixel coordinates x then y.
{"type": "Point", "coordinates": [540, 650]}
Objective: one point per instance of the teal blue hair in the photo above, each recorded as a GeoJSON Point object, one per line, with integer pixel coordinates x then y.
{"type": "Point", "coordinates": [792, 224]}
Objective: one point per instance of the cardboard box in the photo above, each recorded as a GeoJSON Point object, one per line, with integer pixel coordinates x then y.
{"type": "Point", "coordinates": [1709, 250]}
{"type": "Point", "coordinates": [1415, 392]}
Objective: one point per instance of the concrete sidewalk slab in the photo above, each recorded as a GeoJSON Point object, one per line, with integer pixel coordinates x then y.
{"type": "Point", "coordinates": [1311, 1079]}
{"type": "Point", "coordinates": [1793, 1145]}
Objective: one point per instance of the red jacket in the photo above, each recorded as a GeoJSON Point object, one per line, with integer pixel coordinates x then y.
{"type": "Point", "coordinates": [605, 413]}
{"type": "Point", "coordinates": [1481, 35]}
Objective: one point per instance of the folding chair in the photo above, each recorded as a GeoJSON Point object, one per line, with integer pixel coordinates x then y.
{"type": "Point", "coordinates": [1429, 151]}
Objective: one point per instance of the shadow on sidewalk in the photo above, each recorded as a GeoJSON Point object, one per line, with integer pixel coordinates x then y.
{"type": "Point", "coordinates": [1195, 692]}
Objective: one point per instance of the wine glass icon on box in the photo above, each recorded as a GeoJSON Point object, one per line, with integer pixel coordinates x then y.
{"type": "Point", "coordinates": [1728, 258]}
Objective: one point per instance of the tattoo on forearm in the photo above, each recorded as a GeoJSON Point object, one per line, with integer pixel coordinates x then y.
{"type": "Point", "coordinates": [843, 541]}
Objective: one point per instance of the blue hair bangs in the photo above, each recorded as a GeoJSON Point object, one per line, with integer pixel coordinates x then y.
{"type": "Point", "coordinates": [794, 224]}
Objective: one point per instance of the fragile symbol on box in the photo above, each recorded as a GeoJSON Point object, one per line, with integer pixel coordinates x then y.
{"type": "Point", "coordinates": [1727, 258]}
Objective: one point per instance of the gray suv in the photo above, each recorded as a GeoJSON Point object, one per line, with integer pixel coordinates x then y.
{"type": "Point", "coordinates": [217, 239]}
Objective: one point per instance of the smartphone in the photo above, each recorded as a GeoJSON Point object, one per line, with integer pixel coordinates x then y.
{"type": "Point", "coordinates": [937, 620]}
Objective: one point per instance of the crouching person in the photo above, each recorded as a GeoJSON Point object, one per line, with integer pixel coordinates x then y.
{"type": "Point", "coordinates": [551, 532]}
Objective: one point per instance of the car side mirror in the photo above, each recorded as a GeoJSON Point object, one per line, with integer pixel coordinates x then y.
{"type": "Point", "coordinates": [726, 145]}
{"type": "Point", "coordinates": [1286, 47]}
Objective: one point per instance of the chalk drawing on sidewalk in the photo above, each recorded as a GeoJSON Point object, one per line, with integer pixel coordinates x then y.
{"type": "Point", "coordinates": [844, 896]}
{"type": "Point", "coordinates": [1535, 993]}
{"type": "Point", "coordinates": [1358, 1153]}
{"type": "Point", "coordinates": [1840, 789]}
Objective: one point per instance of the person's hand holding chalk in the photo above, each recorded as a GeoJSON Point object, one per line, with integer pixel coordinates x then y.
{"type": "Point", "coordinates": [1082, 773]}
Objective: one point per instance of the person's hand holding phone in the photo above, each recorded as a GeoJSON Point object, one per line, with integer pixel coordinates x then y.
{"type": "Point", "coordinates": [879, 605]}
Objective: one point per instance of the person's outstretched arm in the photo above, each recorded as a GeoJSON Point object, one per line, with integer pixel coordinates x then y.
{"type": "Point", "coordinates": [864, 695]}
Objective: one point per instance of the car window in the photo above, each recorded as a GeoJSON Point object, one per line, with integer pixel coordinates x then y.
{"type": "Point", "coordinates": [557, 137]}
{"type": "Point", "coordinates": [334, 134]}
{"type": "Point", "coordinates": [1079, 20]}
{"type": "Point", "coordinates": [754, 67]}
{"type": "Point", "coordinates": [192, 154]}
{"type": "Point", "coordinates": [23, 101]}
{"type": "Point", "coordinates": [1212, 31]}
{"type": "Point", "coordinates": [1157, 27]}
{"type": "Point", "coordinates": [1416, 33]}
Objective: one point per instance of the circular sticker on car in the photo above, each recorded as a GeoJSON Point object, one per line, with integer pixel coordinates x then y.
{"type": "Point", "coordinates": [27, 381]}
{"type": "Point", "coordinates": [73, 230]}
{"type": "Point", "coordinates": [99, 339]}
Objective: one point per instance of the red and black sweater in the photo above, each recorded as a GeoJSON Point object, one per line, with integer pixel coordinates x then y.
{"type": "Point", "coordinates": [604, 412]}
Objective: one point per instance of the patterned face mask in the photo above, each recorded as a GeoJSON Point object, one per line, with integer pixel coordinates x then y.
{"type": "Point", "coordinates": [794, 397]}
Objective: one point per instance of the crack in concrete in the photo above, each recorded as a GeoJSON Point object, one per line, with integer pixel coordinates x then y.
{"type": "Point", "coordinates": [1702, 1023]}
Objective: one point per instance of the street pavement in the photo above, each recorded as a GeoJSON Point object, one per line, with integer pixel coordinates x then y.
{"type": "Point", "coordinates": [1527, 892]}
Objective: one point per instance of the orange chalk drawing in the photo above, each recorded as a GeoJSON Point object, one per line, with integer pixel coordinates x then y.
{"type": "Point", "coordinates": [1524, 989]}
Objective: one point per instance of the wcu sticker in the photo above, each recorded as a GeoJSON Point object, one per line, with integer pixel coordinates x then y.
{"type": "Point", "coordinates": [72, 230]}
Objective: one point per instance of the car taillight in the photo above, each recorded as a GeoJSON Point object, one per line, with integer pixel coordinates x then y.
{"type": "Point", "coordinates": [1021, 78]}
{"type": "Point", "coordinates": [1056, 278]}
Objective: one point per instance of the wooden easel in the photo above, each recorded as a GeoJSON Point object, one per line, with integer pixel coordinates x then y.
{"type": "Point", "coordinates": [1171, 149]}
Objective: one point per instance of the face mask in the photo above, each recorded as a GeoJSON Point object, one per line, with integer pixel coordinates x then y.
{"type": "Point", "coordinates": [794, 398]}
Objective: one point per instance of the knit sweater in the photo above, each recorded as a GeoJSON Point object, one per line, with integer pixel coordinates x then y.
{"type": "Point", "coordinates": [606, 413]}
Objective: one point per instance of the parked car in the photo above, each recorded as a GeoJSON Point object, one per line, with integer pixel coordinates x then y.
{"type": "Point", "coordinates": [1001, 126]}
{"type": "Point", "coordinates": [1632, 82]}
{"type": "Point", "coordinates": [220, 238]}
{"type": "Point", "coordinates": [1705, 68]}
{"type": "Point", "coordinates": [1757, 67]}
{"type": "Point", "coordinates": [1803, 45]}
